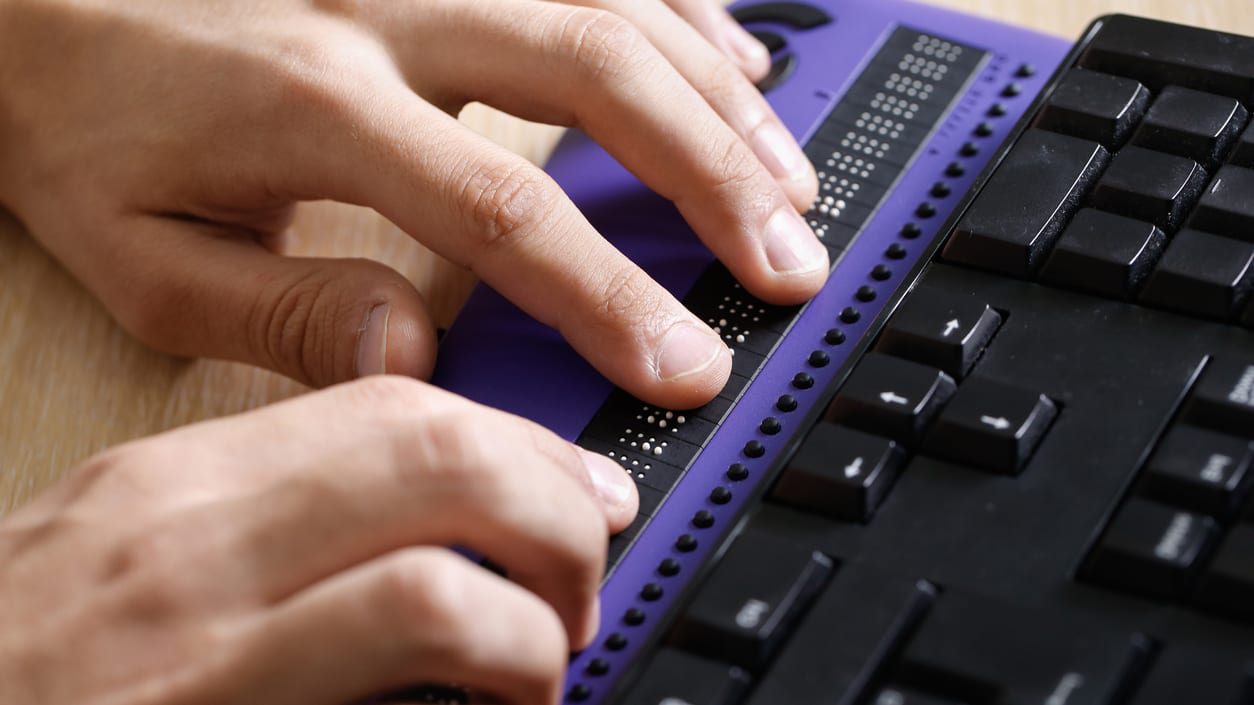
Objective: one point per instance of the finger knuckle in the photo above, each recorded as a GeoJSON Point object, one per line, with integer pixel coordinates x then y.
{"type": "Point", "coordinates": [735, 169]}
{"type": "Point", "coordinates": [629, 296]}
{"type": "Point", "coordinates": [504, 201]}
{"type": "Point", "coordinates": [428, 591]}
{"type": "Point", "coordinates": [604, 46]}
{"type": "Point", "coordinates": [390, 395]}
{"type": "Point", "coordinates": [284, 322]}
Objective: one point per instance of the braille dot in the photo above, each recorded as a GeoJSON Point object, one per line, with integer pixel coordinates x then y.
{"type": "Point", "coordinates": [703, 519]}
{"type": "Point", "coordinates": [1011, 90]}
{"type": "Point", "coordinates": [686, 543]}
{"type": "Point", "coordinates": [720, 495]}
{"type": "Point", "coordinates": [881, 273]}
{"type": "Point", "coordinates": [597, 667]}
{"type": "Point", "coordinates": [925, 210]}
{"type": "Point", "coordinates": [911, 230]}
{"type": "Point", "coordinates": [969, 149]}
{"type": "Point", "coordinates": [955, 170]}
{"type": "Point", "coordinates": [770, 426]}
{"type": "Point", "coordinates": [616, 642]}
{"type": "Point", "coordinates": [578, 693]}
{"type": "Point", "coordinates": [755, 449]}
{"type": "Point", "coordinates": [818, 358]}
{"type": "Point", "coordinates": [802, 380]}
{"type": "Point", "coordinates": [865, 294]}
{"type": "Point", "coordinates": [835, 336]}
{"type": "Point", "coordinates": [997, 110]}
{"type": "Point", "coordinates": [634, 617]}
{"type": "Point", "coordinates": [651, 592]}
{"type": "Point", "coordinates": [1026, 71]}
{"type": "Point", "coordinates": [895, 251]}
{"type": "Point", "coordinates": [737, 472]}
{"type": "Point", "coordinates": [788, 402]}
{"type": "Point", "coordinates": [983, 130]}
{"type": "Point", "coordinates": [940, 189]}
{"type": "Point", "coordinates": [850, 315]}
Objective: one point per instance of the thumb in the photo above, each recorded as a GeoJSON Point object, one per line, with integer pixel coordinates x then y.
{"type": "Point", "coordinates": [197, 293]}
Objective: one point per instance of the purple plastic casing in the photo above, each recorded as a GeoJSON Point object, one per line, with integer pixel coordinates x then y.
{"type": "Point", "coordinates": [497, 355]}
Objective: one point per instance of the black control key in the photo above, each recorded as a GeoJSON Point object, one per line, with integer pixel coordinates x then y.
{"type": "Point", "coordinates": [1104, 254]}
{"type": "Point", "coordinates": [1224, 398]}
{"type": "Point", "coordinates": [983, 652]}
{"type": "Point", "coordinates": [1227, 207]}
{"type": "Point", "coordinates": [752, 599]}
{"type": "Point", "coordinates": [1199, 470]}
{"type": "Point", "coordinates": [840, 472]}
{"type": "Point", "coordinates": [1202, 274]}
{"type": "Point", "coordinates": [1095, 106]}
{"type": "Point", "coordinates": [942, 331]}
{"type": "Point", "coordinates": [891, 397]}
{"type": "Point", "coordinates": [1151, 186]}
{"type": "Point", "coordinates": [1023, 208]}
{"type": "Point", "coordinates": [1192, 124]}
{"type": "Point", "coordinates": [798, 15]}
{"type": "Point", "coordinates": [991, 426]}
{"type": "Point", "coordinates": [1228, 584]}
{"type": "Point", "coordinates": [1151, 549]}
{"type": "Point", "coordinates": [674, 677]}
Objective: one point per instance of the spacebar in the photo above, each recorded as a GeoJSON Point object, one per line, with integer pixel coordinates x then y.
{"type": "Point", "coordinates": [856, 625]}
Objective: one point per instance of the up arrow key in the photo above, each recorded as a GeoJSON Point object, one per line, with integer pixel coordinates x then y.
{"type": "Point", "coordinates": [952, 326]}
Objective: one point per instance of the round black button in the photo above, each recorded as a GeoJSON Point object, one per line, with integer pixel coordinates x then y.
{"type": "Point", "coordinates": [925, 210]}
{"type": "Point", "coordinates": [1011, 90]}
{"type": "Point", "coordinates": [703, 519]}
{"type": "Point", "coordinates": [865, 294]}
{"type": "Point", "coordinates": [597, 667]}
{"type": "Point", "coordinates": [983, 130]}
{"type": "Point", "coordinates": [755, 449]}
{"type": "Point", "coordinates": [686, 543]}
{"type": "Point", "coordinates": [1026, 71]}
{"type": "Point", "coordinates": [818, 358]}
{"type": "Point", "coordinates": [881, 273]}
{"type": "Point", "coordinates": [578, 693]}
{"type": "Point", "coordinates": [737, 472]}
{"type": "Point", "coordinates": [895, 251]}
{"type": "Point", "coordinates": [668, 568]}
{"type": "Point", "coordinates": [770, 426]}
{"type": "Point", "coordinates": [802, 380]}
{"type": "Point", "coordinates": [616, 642]}
{"type": "Point", "coordinates": [940, 189]}
{"type": "Point", "coordinates": [720, 495]}
{"type": "Point", "coordinates": [998, 110]}
{"type": "Point", "coordinates": [911, 230]}
{"type": "Point", "coordinates": [955, 170]}
{"type": "Point", "coordinates": [788, 402]}
{"type": "Point", "coordinates": [651, 592]}
{"type": "Point", "coordinates": [969, 149]}
{"type": "Point", "coordinates": [850, 315]}
{"type": "Point", "coordinates": [633, 617]}
{"type": "Point", "coordinates": [834, 336]}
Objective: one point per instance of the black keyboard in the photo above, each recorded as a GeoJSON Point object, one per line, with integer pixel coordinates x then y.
{"type": "Point", "coordinates": [1034, 485]}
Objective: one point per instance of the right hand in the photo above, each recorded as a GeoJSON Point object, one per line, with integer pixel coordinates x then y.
{"type": "Point", "coordinates": [297, 555]}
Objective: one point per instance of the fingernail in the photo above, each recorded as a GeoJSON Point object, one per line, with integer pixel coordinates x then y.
{"type": "Point", "coordinates": [747, 51]}
{"type": "Point", "coordinates": [791, 246]}
{"type": "Point", "coordinates": [609, 479]}
{"type": "Point", "coordinates": [778, 152]}
{"type": "Point", "coordinates": [372, 342]}
{"type": "Point", "coordinates": [688, 349]}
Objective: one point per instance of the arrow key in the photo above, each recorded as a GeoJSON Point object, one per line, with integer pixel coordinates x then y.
{"type": "Point", "coordinates": [940, 330]}
{"type": "Point", "coordinates": [840, 472]}
{"type": "Point", "coordinates": [991, 426]}
{"type": "Point", "coordinates": [891, 397]}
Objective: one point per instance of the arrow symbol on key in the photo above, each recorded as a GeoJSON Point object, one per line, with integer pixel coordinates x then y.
{"type": "Point", "coordinates": [998, 423]}
{"type": "Point", "coordinates": [853, 469]}
{"type": "Point", "coordinates": [951, 327]}
{"type": "Point", "coordinates": [890, 398]}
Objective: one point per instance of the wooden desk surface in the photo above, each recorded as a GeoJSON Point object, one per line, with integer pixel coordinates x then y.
{"type": "Point", "coordinates": [72, 383]}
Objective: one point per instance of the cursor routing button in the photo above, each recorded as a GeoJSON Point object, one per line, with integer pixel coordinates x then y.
{"type": "Point", "coordinates": [892, 397]}
{"type": "Point", "coordinates": [992, 426]}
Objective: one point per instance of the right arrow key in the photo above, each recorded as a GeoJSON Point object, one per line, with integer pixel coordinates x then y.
{"type": "Point", "coordinates": [992, 426]}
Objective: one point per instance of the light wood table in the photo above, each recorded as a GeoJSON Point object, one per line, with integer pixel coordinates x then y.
{"type": "Point", "coordinates": [72, 383]}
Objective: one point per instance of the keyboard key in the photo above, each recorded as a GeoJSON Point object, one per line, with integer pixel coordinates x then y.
{"type": "Point", "coordinates": [1151, 186]}
{"type": "Point", "coordinates": [674, 677]}
{"type": "Point", "coordinates": [1199, 470]}
{"type": "Point", "coordinates": [1202, 274]}
{"type": "Point", "coordinates": [1095, 106]}
{"type": "Point", "coordinates": [1104, 254]}
{"type": "Point", "coordinates": [1151, 549]}
{"type": "Point", "coordinates": [894, 695]}
{"type": "Point", "coordinates": [1195, 674]}
{"type": "Point", "coordinates": [840, 472]}
{"type": "Point", "coordinates": [1159, 54]}
{"type": "Point", "coordinates": [1192, 124]}
{"type": "Point", "coordinates": [1244, 153]}
{"type": "Point", "coordinates": [752, 599]}
{"type": "Point", "coordinates": [1023, 208]}
{"type": "Point", "coordinates": [891, 397]}
{"type": "Point", "coordinates": [1228, 584]}
{"type": "Point", "coordinates": [1227, 207]}
{"type": "Point", "coordinates": [859, 622]}
{"type": "Point", "coordinates": [1223, 398]}
{"type": "Point", "coordinates": [992, 426]}
{"type": "Point", "coordinates": [976, 650]}
{"type": "Point", "coordinates": [946, 332]}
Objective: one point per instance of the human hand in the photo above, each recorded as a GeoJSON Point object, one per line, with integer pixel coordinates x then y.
{"type": "Point", "coordinates": [157, 148]}
{"type": "Point", "coordinates": [296, 555]}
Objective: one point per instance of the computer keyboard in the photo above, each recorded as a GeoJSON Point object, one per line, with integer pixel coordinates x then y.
{"type": "Point", "coordinates": [1006, 456]}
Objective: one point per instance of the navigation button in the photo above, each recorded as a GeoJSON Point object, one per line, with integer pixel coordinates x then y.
{"type": "Point", "coordinates": [891, 397]}
{"type": "Point", "coordinates": [991, 426]}
{"type": "Point", "coordinates": [942, 331]}
{"type": "Point", "coordinates": [840, 472]}
{"type": "Point", "coordinates": [794, 14]}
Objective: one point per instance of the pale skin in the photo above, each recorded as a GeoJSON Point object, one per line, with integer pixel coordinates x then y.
{"type": "Point", "coordinates": [298, 554]}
